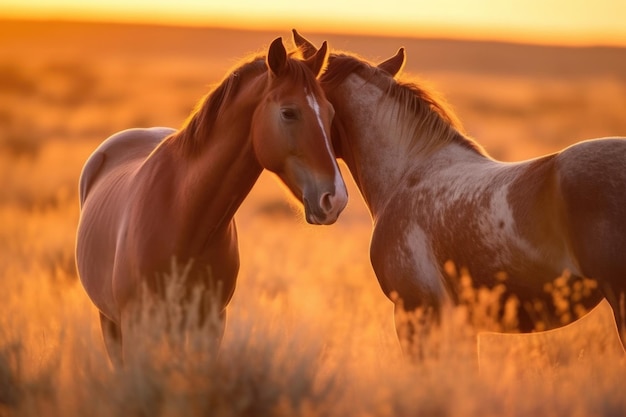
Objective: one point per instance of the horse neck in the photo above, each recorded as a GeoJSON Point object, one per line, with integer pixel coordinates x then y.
{"type": "Point", "coordinates": [370, 149]}
{"type": "Point", "coordinates": [383, 143]}
{"type": "Point", "coordinates": [213, 179]}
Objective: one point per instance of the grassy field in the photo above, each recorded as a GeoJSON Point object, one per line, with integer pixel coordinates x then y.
{"type": "Point", "coordinates": [309, 332]}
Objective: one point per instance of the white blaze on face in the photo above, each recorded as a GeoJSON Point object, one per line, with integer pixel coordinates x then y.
{"type": "Point", "coordinates": [340, 188]}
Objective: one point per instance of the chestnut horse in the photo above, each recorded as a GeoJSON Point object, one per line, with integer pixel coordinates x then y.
{"type": "Point", "coordinates": [439, 201]}
{"type": "Point", "coordinates": [149, 196]}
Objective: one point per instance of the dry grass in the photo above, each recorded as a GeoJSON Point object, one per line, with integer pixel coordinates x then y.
{"type": "Point", "coordinates": [309, 332]}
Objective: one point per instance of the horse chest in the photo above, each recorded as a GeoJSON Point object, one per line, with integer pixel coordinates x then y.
{"type": "Point", "coordinates": [403, 261]}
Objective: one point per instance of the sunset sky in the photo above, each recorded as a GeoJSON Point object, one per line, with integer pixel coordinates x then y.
{"type": "Point", "coordinates": [580, 22]}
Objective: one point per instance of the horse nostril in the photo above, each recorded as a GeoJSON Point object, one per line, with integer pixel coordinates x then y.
{"type": "Point", "coordinates": [326, 202]}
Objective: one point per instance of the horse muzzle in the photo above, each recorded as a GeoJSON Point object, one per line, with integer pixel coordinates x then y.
{"type": "Point", "coordinates": [325, 209]}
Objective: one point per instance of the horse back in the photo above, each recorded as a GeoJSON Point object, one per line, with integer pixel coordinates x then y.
{"type": "Point", "coordinates": [122, 149]}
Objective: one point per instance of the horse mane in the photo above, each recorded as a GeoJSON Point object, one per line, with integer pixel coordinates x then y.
{"type": "Point", "coordinates": [199, 124]}
{"type": "Point", "coordinates": [201, 120]}
{"type": "Point", "coordinates": [429, 118]}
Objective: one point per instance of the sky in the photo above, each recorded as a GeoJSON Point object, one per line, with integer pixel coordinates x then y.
{"type": "Point", "coordinates": [576, 22]}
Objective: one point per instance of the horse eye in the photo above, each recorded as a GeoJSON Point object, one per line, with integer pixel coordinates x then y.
{"type": "Point", "coordinates": [288, 114]}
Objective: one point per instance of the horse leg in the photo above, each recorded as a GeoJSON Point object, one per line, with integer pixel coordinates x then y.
{"type": "Point", "coordinates": [112, 335]}
{"type": "Point", "coordinates": [595, 210]}
{"type": "Point", "coordinates": [617, 299]}
{"type": "Point", "coordinates": [216, 331]}
{"type": "Point", "coordinates": [610, 274]}
{"type": "Point", "coordinates": [413, 328]}
{"type": "Point", "coordinates": [600, 260]}
{"type": "Point", "coordinates": [419, 323]}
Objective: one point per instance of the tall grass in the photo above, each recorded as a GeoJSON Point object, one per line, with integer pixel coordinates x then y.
{"type": "Point", "coordinates": [308, 333]}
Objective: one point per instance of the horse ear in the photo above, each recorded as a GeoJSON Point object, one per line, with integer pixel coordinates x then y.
{"type": "Point", "coordinates": [394, 65]}
{"type": "Point", "coordinates": [277, 56]}
{"type": "Point", "coordinates": [307, 48]}
{"type": "Point", "coordinates": [318, 61]}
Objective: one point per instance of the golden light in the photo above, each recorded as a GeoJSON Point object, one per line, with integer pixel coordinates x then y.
{"type": "Point", "coordinates": [549, 22]}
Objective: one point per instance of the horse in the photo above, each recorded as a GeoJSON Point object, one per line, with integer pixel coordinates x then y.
{"type": "Point", "coordinates": [548, 234]}
{"type": "Point", "coordinates": [152, 196]}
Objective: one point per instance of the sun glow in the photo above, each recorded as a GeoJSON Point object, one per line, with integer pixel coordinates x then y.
{"type": "Point", "coordinates": [536, 21]}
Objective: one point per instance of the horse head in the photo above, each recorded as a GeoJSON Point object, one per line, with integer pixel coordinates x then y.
{"type": "Point", "coordinates": [339, 67]}
{"type": "Point", "coordinates": [291, 133]}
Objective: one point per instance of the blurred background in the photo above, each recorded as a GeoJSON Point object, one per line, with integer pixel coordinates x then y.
{"type": "Point", "coordinates": [525, 78]}
{"type": "Point", "coordinates": [546, 22]}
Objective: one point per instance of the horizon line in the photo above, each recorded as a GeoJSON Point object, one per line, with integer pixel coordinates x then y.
{"type": "Point", "coordinates": [434, 33]}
